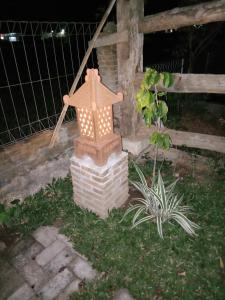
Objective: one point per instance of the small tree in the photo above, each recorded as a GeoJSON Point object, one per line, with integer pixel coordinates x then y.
{"type": "Point", "coordinates": [159, 202]}
{"type": "Point", "coordinates": [154, 109]}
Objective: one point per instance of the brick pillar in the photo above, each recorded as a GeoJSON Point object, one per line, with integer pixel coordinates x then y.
{"type": "Point", "coordinates": [100, 189]}
{"type": "Point", "coordinates": [107, 62]}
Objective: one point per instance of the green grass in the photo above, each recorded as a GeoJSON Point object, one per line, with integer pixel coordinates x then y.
{"type": "Point", "coordinates": [178, 267]}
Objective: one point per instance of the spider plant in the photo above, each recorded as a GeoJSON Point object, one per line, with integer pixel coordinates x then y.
{"type": "Point", "coordinates": [159, 204]}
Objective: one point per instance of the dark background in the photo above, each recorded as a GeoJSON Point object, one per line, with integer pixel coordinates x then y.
{"type": "Point", "coordinates": [201, 47]}
{"type": "Point", "coordinates": [91, 10]}
{"type": "Point", "coordinates": [158, 47]}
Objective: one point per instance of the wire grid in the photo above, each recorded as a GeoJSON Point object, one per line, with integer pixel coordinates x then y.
{"type": "Point", "coordinates": [172, 66]}
{"type": "Point", "coordinates": [36, 71]}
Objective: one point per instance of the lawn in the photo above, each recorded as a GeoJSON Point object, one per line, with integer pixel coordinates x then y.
{"type": "Point", "coordinates": [177, 267]}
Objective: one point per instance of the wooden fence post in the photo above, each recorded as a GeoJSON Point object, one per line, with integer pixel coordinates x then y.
{"type": "Point", "coordinates": [129, 61]}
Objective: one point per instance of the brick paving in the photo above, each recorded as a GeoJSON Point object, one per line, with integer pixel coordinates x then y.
{"type": "Point", "coordinates": [44, 266]}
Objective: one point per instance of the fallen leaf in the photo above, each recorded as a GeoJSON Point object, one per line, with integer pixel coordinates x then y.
{"type": "Point", "coordinates": [82, 284]}
{"type": "Point", "coordinates": [183, 273]}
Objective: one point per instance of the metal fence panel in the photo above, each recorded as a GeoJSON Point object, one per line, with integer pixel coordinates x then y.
{"type": "Point", "coordinates": [38, 63]}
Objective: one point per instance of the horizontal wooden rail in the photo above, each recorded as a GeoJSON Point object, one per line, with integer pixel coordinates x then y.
{"type": "Point", "coordinates": [111, 39]}
{"type": "Point", "coordinates": [191, 83]}
{"type": "Point", "coordinates": [189, 139]}
{"type": "Point", "coordinates": [207, 12]}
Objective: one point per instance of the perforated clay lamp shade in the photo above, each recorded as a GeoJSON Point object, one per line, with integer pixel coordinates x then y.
{"type": "Point", "coordinates": [93, 102]}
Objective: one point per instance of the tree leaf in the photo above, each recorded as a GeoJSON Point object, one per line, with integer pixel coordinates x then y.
{"type": "Point", "coordinates": [148, 117]}
{"type": "Point", "coordinates": [167, 79]}
{"type": "Point", "coordinates": [162, 109]}
{"type": "Point", "coordinates": [162, 140]}
{"type": "Point", "coordinates": [152, 77]}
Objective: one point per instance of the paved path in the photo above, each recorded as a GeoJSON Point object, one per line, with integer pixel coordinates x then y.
{"type": "Point", "coordinates": [45, 266]}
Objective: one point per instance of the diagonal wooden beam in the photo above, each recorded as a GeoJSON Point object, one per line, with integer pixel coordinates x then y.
{"type": "Point", "coordinates": [79, 73]}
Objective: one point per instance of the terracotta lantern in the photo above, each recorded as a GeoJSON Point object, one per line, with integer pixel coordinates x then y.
{"type": "Point", "coordinates": [93, 102]}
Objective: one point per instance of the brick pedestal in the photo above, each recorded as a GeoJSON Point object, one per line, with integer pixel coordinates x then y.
{"type": "Point", "coordinates": [99, 189]}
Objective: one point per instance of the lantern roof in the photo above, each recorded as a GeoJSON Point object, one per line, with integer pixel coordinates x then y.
{"type": "Point", "coordinates": [93, 94]}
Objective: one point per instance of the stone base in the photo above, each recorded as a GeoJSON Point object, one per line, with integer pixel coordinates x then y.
{"type": "Point", "coordinates": [135, 145]}
{"type": "Point", "coordinates": [100, 189]}
{"type": "Point", "coordinates": [100, 151]}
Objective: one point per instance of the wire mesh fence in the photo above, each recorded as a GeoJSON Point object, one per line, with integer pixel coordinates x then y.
{"type": "Point", "coordinates": [172, 66]}
{"type": "Point", "coordinates": [38, 63]}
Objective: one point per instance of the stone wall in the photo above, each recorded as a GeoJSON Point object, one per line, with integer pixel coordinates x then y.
{"type": "Point", "coordinates": [30, 164]}
{"type": "Point", "coordinates": [107, 64]}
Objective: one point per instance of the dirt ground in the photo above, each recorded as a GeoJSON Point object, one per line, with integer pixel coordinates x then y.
{"type": "Point", "coordinates": [214, 126]}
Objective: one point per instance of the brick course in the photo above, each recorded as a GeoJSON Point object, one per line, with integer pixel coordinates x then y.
{"type": "Point", "coordinates": [100, 189]}
{"type": "Point", "coordinates": [38, 272]}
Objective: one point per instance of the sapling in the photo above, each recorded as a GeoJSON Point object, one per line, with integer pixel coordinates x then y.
{"type": "Point", "coordinates": [151, 104]}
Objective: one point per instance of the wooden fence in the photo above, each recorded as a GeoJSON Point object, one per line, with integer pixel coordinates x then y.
{"type": "Point", "coordinates": [131, 26]}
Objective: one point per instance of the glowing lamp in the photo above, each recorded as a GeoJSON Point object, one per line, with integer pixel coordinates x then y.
{"type": "Point", "coordinates": [93, 102]}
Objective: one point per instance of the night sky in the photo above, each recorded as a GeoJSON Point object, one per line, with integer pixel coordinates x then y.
{"type": "Point", "coordinates": [158, 46]}
{"type": "Point", "coordinates": [91, 10]}
{"type": "Point", "coordinates": [52, 11]}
